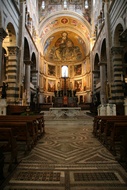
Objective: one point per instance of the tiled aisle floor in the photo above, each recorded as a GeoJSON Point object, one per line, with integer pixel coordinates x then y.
{"type": "Point", "coordinates": [68, 157]}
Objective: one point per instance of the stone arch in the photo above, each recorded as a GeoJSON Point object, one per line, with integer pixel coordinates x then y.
{"type": "Point", "coordinates": [116, 36]}
{"type": "Point", "coordinates": [10, 39]}
{"type": "Point", "coordinates": [9, 44]}
{"type": "Point", "coordinates": [26, 50]}
{"type": "Point", "coordinates": [96, 61]}
{"type": "Point", "coordinates": [103, 55]}
{"type": "Point", "coordinates": [83, 30]}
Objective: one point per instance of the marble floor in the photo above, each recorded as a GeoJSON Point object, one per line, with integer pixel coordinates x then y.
{"type": "Point", "coordinates": [68, 157]}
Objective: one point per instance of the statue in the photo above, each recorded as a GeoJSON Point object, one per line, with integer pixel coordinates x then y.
{"type": "Point", "coordinates": [4, 89]}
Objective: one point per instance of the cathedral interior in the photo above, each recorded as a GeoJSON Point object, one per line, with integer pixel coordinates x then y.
{"type": "Point", "coordinates": [64, 61]}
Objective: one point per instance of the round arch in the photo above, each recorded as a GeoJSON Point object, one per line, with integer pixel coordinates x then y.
{"type": "Point", "coordinates": [26, 50]}
{"type": "Point", "coordinates": [116, 35]}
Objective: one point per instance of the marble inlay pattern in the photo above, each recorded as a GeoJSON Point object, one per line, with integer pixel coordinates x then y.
{"type": "Point", "coordinates": [68, 157]}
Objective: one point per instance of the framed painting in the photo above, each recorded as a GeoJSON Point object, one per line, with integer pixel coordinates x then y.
{"type": "Point", "coordinates": [51, 85]}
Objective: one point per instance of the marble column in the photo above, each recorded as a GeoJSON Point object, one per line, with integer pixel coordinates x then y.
{"type": "Point", "coordinates": [3, 34]}
{"type": "Point", "coordinates": [118, 94]}
{"type": "Point", "coordinates": [103, 82]}
{"type": "Point", "coordinates": [108, 39]}
{"type": "Point", "coordinates": [27, 79]}
{"type": "Point", "coordinates": [12, 75]}
{"type": "Point", "coordinates": [96, 78]}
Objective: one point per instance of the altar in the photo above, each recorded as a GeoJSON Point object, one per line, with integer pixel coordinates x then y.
{"type": "Point", "coordinates": [65, 111]}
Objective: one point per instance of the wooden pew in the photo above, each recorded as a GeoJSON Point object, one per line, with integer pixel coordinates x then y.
{"type": "Point", "coordinates": [117, 134]}
{"type": "Point", "coordinates": [105, 126]}
{"type": "Point", "coordinates": [31, 126]}
{"type": "Point", "coordinates": [110, 129]}
{"type": "Point", "coordinates": [100, 121]}
{"type": "Point", "coordinates": [20, 131]}
{"type": "Point", "coordinates": [38, 121]}
{"type": "Point", "coordinates": [15, 109]}
{"type": "Point", "coordinates": [8, 144]}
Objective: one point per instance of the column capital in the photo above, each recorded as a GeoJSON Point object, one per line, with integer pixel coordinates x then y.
{"type": "Point", "coordinates": [13, 50]}
{"type": "Point", "coordinates": [3, 34]}
{"type": "Point", "coordinates": [116, 50]}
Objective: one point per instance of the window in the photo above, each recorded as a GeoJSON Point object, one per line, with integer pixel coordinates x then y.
{"type": "Point", "coordinates": [64, 71]}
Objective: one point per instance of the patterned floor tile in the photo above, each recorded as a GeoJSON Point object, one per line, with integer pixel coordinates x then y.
{"type": "Point", "coordinates": [68, 157]}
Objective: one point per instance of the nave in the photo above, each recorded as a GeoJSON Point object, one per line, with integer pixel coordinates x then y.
{"type": "Point", "coordinates": [68, 157]}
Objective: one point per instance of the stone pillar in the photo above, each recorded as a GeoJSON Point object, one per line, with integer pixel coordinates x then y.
{"type": "Point", "coordinates": [3, 34]}
{"type": "Point", "coordinates": [96, 78]}
{"type": "Point", "coordinates": [103, 82]}
{"type": "Point", "coordinates": [12, 69]}
{"type": "Point", "coordinates": [27, 79]}
{"type": "Point", "coordinates": [117, 86]}
{"type": "Point", "coordinates": [108, 39]}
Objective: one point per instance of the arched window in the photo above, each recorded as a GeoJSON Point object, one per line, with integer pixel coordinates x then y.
{"type": "Point", "coordinates": [64, 71]}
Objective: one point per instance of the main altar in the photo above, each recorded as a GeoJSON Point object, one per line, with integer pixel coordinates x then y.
{"type": "Point", "coordinates": [65, 96]}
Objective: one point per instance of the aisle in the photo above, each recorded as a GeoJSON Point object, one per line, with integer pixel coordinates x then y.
{"type": "Point", "coordinates": [68, 157]}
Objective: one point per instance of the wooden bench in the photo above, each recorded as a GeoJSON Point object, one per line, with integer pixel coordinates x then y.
{"type": "Point", "coordinates": [99, 122]}
{"type": "Point", "coordinates": [105, 127]}
{"type": "Point", "coordinates": [20, 131]}
{"type": "Point", "coordinates": [117, 133]}
{"type": "Point", "coordinates": [38, 119]}
{"type": "Point", "coordinates": [15, 109]}
{"type": "Point", "coordinates": [8, 144]}
{"type": "Point", "coordinates": [31, 126]}
{"type": "Point", "coordinates": [109, 130]}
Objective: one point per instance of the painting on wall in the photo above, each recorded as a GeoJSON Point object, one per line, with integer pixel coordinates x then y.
{"type": "Point", "coordinates": [78, 85]}
{"type": "Point", "coordinates": [77, 69]}
{"type": "Point", "coordinates": [65, 46]}
{"type": "Point", "coordinates": [51, 70]}
{"type": "Point", "coordinates": [51, 85]}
